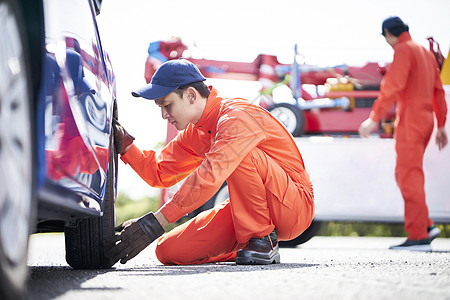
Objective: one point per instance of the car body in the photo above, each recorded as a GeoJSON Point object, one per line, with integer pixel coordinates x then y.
{"type": "Point", "coordinates": [58, 164]}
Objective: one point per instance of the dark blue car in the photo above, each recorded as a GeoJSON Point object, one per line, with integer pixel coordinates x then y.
{"type": "Point", "coordinates": [57, 159]}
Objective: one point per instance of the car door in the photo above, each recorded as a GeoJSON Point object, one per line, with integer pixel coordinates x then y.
{"type": "Point", "coordinates": [78, 98]}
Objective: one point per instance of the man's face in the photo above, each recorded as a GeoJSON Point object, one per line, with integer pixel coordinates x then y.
{"type": "Point", "coordinates": [390, 38]}
{"type": "Point", "coordinates": [176, 110]}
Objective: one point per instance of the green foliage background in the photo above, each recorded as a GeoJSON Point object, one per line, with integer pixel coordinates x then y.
{"type": "Point", "coordinates": [371, 229]}
{"type": "Point", "coordinates": [128, 208]}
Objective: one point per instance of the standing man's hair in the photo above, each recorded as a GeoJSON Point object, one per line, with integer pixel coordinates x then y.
{"type": "Point", "coordinates": [394, 25]}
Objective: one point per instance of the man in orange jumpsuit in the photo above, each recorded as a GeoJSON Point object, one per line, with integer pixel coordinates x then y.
{"type": "Point", "coordinates": [413, 83]}
{"type": "Point", "coordinates": [271, 196]}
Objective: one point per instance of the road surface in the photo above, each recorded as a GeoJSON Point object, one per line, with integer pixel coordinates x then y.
{"type": "Point", "coordinates": [323, 268]}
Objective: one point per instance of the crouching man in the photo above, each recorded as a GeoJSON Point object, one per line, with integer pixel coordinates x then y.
{"type": "Point", "coordinates": [270, 193]}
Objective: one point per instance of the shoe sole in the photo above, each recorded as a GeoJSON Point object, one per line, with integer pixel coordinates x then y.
{"type": "Point", "coordinates": [421, 248]}
{"type": "Point", "coordinates": [258, 261]}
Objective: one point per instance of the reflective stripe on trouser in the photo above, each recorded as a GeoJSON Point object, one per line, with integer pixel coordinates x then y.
{"type": "Point", "coordinates": [262, 197]}
{"type": "Point", "coordinates": [411, 181]}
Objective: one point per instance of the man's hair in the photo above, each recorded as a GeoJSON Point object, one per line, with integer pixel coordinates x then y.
{"type": "Point", "coordinates": [395, 26]}
{"type": "Point", "coordinates": [200, 86]}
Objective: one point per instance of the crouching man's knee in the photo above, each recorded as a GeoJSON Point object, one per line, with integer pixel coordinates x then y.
{"type": "Point", "coordinates": [164, 253]}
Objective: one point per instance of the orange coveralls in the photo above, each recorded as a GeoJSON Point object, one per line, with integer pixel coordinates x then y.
{"type": "Point", "coordinates": [413, 82]}
{"type": "Point", "coordinates": [267, 181]}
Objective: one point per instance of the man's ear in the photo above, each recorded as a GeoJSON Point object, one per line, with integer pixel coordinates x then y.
{"type": "Point", "coordinates": [191, 94]}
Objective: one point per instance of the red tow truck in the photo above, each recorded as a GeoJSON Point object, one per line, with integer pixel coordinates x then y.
{"type": "Point", "coordinates": [293, 92]}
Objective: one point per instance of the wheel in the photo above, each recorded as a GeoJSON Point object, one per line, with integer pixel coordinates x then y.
{"type": "Point", "coordinates": [84, 237]}
{"type": "Point", "coordinates": [291, 116]}
{"type": "Point", "coordinates": [16, 154]}
{"type": "Point", "coordinates": [309, 233]}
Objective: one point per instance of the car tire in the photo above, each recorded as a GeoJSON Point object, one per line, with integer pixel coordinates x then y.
{"type": "Point", "coordinates": [309, 233]}
{"type": "Point", "coordinates": [84, 237]}
{"type": "Point", "coordinates": [17, 171]}
{"type": "Point", "coordinates": [291, 116]}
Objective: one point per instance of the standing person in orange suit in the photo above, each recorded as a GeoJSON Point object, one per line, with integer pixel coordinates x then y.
{"type": "Point", "coordinates": [413, 83]}
{"type": "Point", "coordinates": [271, 196]}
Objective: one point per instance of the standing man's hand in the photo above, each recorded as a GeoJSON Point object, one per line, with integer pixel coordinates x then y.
{"type": "Point", "coordinates": [367, 127]}
{"type": "Point", "coordinates": [122, 139]}
{"type": "Point", "coordinates": [441, 138]}
{"type": "Point", "coordinates": [135, 235]}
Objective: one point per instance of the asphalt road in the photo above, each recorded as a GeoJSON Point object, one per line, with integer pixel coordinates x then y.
{"type": "Point", "coordinates": [323, 268]}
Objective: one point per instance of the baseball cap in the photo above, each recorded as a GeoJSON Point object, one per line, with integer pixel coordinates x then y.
{"type": "Point", "coordinates": [169, 76]}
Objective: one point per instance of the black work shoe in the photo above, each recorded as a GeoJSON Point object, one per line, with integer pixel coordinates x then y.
{"type": "Point", "coordinates": [414, 245]}
{"type": "Point", "coordinates": [260, 251]}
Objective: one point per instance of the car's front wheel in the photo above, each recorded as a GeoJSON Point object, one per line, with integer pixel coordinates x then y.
{"type": "Point", "coordinates": [16, 154]}
{"type": "Point", "coordinates": [84, 237]}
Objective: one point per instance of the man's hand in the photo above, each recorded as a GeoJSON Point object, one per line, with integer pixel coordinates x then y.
{"type": "Point", "coordinates": [135, 235]}
{"type": "Point", "coordinates": [441, 138]}
{"type": "Point", "coordinates": [367, 127]}
{"type": "Point", "coordinates": [122, 139]}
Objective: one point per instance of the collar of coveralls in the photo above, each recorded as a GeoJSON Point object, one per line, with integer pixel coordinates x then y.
{"type": "Point", "coordinates": [208, 119]}
{"type": "Point", "coordinates": [404, 37]}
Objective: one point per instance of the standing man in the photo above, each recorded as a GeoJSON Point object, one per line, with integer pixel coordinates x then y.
{"type": "Point", "coordinates": [413, 83]}
{"type": "Point", "coordinates": [271, 196]}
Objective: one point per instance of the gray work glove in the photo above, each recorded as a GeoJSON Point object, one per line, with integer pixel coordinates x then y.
{"type": "Point", "coordinates": [122, 139]}
{"type": "Point", "coordinates": [135, 235]}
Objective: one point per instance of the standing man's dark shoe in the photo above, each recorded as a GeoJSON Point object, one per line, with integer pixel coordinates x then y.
{"type": "Point", "coordinates": [260, 251]}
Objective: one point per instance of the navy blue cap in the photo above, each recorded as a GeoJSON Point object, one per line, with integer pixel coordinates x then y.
{"type": "Point", "coordinates": [169, 76]}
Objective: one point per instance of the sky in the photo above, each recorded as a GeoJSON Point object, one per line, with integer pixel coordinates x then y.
{"type": "Point", "coordinates": [327, 32]}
